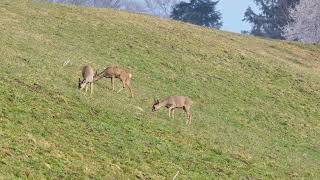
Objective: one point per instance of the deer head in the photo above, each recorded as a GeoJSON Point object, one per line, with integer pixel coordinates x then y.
{"type": "Point", "coordinates": [82, 83]}
{"type": "Point", "coordinates": [155, 103]}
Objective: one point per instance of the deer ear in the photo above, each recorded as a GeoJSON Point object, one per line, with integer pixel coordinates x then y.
{"type": "Point", "coordinates": [79, 80]}
{"type": "Point", "coordinates": [157, 101]}
{"type": "Point", "coordinates": [96, 73]}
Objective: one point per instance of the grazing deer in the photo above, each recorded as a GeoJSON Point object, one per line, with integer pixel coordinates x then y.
{"type": "Point", "coordinates": [88, 78]}
{"type": "Point", "coordinates": [173, 102]}
{"type": "Point", "coordinates": [117, 72]}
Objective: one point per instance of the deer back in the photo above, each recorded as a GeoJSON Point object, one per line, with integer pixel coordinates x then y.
{"type": "Point", "coordinates": [112, 71]}
{"type": "Point", "coordinates": [88, 73]}
{"type": "Point", "coordinates": [118, 72]}
{"type": "Point", "coordinates": [179, 101]}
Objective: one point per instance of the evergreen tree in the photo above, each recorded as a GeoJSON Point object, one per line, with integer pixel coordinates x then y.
{"type": "Point", "coordinates": [274, 16]}
{"type": "Point", "coordinates": [199, 12]}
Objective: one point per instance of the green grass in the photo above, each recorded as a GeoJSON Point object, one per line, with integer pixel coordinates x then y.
{"type": "Point", "coordinates": [256, 111]}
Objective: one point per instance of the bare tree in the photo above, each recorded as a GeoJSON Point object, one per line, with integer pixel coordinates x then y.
{"type": "Point", "coordinates": [76, 2]}
{"type": "Point", "coordinates": [134, 6]}
{"type": "Point", "coordinates": [116, 4]}
{"type": "Point", "coordinates": [306, 22]}
{"type": "Point", "coordinates": [161, 8]}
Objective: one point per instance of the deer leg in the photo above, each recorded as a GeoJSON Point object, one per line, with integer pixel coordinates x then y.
{"type": "Point", "coordinates": [112, 82]}
{"type": "Point", "coordinates": [187, 112]}
{"type": "Point", "coordinates": [189, 117]}
{"type": "Point", "coordinates": [129, 87]}
{"type": "Point", "coordinates": [86, 88]}
{"type": "Point", "coordinates": [130, 91]}
{"type": "Point", "coordinates": [123, 86]}
{"type": "Point", "coordinates": [91, 86]}
{"type": "Point", "coordinates": [172, 112]}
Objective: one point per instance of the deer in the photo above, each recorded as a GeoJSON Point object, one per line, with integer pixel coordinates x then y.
{"type": "Point", "coordinates": [174, 102]}
{"type": "Point", "coordinates": [88, 78]}
{"type": "Point", "coordinates": [117, 72]}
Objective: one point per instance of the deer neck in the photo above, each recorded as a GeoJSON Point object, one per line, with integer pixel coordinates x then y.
{"type": "Point", "coordinates": [162, 103]}
{"type": "Point", "coordinates": [98, 76]}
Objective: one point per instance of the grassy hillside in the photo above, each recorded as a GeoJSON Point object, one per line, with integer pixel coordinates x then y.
{"type": "Point", "coordinates": [256, 111]}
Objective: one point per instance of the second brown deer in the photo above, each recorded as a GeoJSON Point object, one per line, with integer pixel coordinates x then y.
{"type": "Point", "coordinates": [88, 78]}
{"type": "Point", "coordinates": [173, 102]}
{"type": "Point", "coordinates": [117, 72]}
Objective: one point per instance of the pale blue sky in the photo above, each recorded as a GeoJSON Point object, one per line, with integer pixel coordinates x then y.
{"type": "Point", "coordinates": [232, 14]}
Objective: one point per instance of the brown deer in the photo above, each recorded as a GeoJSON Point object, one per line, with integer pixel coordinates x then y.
{"type": "Point", "coordinates": [117, 72]}
{"type": "Point", "coordinates": [173, 102]}
{"type": "Point", "coordinates": [88, 78]}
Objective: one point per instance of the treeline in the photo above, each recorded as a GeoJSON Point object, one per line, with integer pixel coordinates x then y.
{"type": "Point", "coordinates": [297, 20]}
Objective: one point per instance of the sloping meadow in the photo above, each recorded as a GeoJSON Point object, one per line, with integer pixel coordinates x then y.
{"type": "Point", "coordinates": [255, 113]}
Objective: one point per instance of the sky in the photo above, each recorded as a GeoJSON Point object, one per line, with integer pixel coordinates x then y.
{"type": "Point", "coordinates": [233, 13]}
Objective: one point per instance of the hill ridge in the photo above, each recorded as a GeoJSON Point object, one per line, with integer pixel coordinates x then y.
{"type": "Point", "coordinates": [255, 112]}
